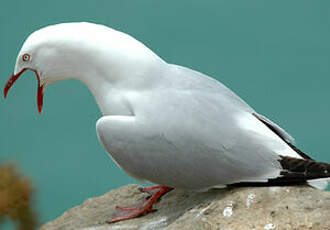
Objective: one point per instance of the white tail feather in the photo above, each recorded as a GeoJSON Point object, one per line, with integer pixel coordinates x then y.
{"type": "Point", "coordinates": [321, 183]}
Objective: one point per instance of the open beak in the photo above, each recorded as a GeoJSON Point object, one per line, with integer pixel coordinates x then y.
{"type": "Point", "coordinates": [40, 93]}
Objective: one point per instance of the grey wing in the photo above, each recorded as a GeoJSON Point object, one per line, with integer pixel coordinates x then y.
{"type": "Point", "coordinates": [207, 84]}
{"type": "Point", "coordinates": [281, 132]}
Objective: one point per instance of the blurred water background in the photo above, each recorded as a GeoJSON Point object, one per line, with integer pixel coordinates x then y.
{"type": "Point", "coordinates": [274, 54]}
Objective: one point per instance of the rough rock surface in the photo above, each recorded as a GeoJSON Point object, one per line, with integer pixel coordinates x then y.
{"type": "Point", "coordinates": [267, 208]}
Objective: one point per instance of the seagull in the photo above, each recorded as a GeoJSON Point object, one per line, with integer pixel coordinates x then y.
{"type": "Point", "coordinates": [164, 123]}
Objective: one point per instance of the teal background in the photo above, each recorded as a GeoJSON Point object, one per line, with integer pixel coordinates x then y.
{"type": "Point", "coordinates": [274, 54]}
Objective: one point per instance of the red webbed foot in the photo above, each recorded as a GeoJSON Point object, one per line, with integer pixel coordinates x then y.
{"type": "Point", "coordinates": [125, 213]}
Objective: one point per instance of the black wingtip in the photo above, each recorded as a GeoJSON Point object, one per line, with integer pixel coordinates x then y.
{"type": "Point", "coordinates": [295, 172]}
{"type": "Point", "coordinates": [304, 168]}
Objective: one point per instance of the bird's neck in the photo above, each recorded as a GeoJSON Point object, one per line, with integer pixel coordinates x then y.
{"type": "Point", "coordinates": [112, 86]}
{"type": "Point", "coordinates": [112, 66]}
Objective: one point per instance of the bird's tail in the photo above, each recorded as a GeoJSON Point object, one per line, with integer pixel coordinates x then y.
{"type": "Point", "coordinates": [321, 184]}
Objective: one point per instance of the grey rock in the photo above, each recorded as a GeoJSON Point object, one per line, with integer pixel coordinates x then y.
{"type": "Point", "coordinates": [263, 208]}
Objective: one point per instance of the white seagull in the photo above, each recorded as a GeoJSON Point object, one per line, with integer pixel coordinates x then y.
{"type": "Point", "coordinates": [165, 123]}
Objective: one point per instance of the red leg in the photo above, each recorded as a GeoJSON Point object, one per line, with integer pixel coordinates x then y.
{"type": "Point", "coordinates": [125, 213]}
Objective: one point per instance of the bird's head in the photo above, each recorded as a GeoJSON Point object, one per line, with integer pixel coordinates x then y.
{"type": "Point", "coordinates": [75, 50]}
{"type": "Point", "coordinates": [51, 53]}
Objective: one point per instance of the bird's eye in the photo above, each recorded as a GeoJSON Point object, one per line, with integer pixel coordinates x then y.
{"type": "Point", "coordinates": [26, 57]}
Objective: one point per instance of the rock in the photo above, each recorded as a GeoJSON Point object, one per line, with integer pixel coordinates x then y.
{"type": "Point", "coordinates": [264, 208]}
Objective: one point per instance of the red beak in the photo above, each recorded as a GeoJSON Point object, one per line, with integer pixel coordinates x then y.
{"type": "Point", "coordinates": [14, 77]}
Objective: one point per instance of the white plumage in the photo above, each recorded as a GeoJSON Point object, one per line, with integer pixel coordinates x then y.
{"type": "Point", "coordinates": [161, 123]}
